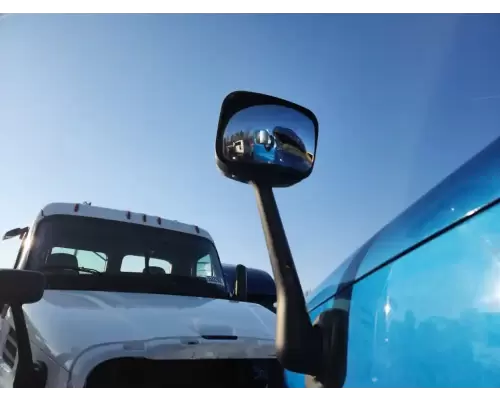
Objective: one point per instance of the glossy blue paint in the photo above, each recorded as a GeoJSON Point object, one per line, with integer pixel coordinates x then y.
{"type": "Point", "coordinates": [329, 286]}
{"type": "Point", "coordinates": [432, 317]}
{"type": "Point", "coordinates": [471, 186]}
{"type": "Point", "coordinates": [474, 184]}
{"type": "Point", "coordinates": [260, 153]}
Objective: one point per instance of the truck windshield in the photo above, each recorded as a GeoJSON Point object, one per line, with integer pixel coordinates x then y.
{"type": "Point", "coordinates": [79, 247]}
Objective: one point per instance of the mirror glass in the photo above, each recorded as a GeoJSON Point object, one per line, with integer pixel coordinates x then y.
{"type": "Point", "coordinates": [271, 134]}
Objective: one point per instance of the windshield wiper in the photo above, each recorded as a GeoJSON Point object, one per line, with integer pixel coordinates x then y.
{"type": "Point", "coordinates": [70, 268]}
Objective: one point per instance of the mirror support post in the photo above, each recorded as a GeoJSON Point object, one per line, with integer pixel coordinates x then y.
{"type": "Point", "coordinates": [298, 343]}
{"type": "Point", "coordinates": [24, 371]}
{"type": "Point", "coordinates": [28, 373]}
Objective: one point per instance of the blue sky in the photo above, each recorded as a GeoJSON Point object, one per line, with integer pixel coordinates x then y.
{"type": "Point", "coordinates": [122, 111]}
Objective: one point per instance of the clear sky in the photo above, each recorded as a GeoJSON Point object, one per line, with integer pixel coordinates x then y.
{"type": "Point", "coordinates": [122, 111]}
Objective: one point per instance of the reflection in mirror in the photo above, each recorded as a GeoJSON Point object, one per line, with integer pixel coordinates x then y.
{"type": "Point", "coordinates": [271, 134]}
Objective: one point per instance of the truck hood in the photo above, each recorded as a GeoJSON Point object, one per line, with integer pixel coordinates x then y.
{"type": "Point", "coordinates": [66, 323]}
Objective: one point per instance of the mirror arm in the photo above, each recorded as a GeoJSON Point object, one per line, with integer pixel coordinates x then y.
{"type": "Point", "coordinates": [298, 344]}
{"type": "Point", "coordinates": [25, 368]}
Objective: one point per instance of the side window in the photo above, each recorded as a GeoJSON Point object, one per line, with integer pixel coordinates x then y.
{"type": "Point", "coordinates": [86, 259]}
{"type": "Point", "coordinates": [138, 263]}
{"type": "Point", "coordinates": [204, 266]}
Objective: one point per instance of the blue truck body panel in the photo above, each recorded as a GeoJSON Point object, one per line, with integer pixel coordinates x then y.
{"type": "Point", "coordinates": [425, 299]}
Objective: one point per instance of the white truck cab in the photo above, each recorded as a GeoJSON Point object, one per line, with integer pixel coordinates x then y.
{"type": "Point", "coordinates": [132, 300]}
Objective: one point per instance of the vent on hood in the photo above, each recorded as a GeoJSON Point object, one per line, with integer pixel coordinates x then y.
{"type": "Point", "coordinates": [208, 373]}
{"type": "Point", "coordinates": [219, 337]}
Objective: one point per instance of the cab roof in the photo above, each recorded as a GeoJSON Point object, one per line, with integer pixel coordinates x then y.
{"type": "Point", "coordinates": [87, 210]}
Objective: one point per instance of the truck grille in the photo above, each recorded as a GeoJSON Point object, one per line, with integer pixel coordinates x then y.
{"type": "Point", "coordinates": [138, 372]}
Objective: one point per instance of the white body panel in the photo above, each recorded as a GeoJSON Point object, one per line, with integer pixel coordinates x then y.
{"type": "Point", "coordinates": [80, 329]}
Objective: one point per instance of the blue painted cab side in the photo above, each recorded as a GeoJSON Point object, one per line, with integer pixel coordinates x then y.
{"type": "Point", "coordinates": [430, 318]}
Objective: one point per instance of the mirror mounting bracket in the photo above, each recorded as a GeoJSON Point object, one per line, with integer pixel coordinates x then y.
{"type": "Point", "coordinates": [28, 373]}
{"type": "Point", "coordinates": [317, 350]}
{"type": "Point", "coordinates": [332, 325]}
{"type": "Point", "coordinates": [40, 374]}
{"type": "Point", "coordinates": [298, 344]}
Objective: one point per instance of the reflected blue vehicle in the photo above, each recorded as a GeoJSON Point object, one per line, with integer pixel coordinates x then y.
{"type": "Point", "coordinates": [280, 146]}
{"type": "Point", "coordinates": [423, 294]}
{"type": "Point", "coordinates": [263, 146]}
{"type": "Point", "coordinates": [290, 149]}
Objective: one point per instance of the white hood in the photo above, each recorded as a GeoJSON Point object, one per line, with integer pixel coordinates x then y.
{"type": "Point", "coordinates": [66, 323]}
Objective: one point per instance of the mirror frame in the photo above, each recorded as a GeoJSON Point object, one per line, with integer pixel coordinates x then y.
{"type": "Point", "coordinates": [260, 174]}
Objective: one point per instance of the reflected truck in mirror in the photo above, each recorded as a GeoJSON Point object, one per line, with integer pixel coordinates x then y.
{"type": "Point", "coordinates": [270, 134]}
{"type": "Point", "coordinates": [133, 300]}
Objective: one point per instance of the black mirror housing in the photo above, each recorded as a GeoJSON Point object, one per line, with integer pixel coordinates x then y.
{"type": "Point", "coordinates": [275, 166]}
{"type": "Point", "coordinates": [240, 284]}
{"type": "Point", "coordinates": [18, 287]}
{"type": "Point", "coordinates": [21, 232]}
